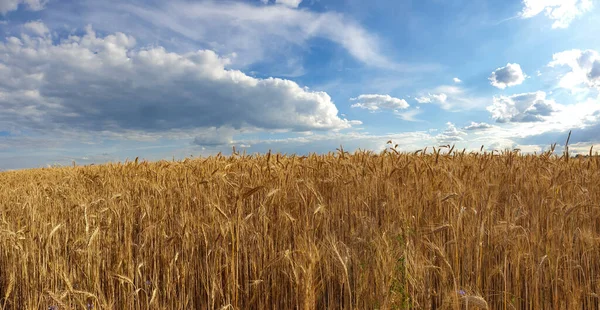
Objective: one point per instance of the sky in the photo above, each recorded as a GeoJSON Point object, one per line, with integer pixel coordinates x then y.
{"type": "Point", "coordinates": [97, 81]}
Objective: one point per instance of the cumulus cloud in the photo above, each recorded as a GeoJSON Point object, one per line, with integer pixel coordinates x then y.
{"type": "Point", "coordinates": [457, 80]}
{"type": "Point", "coordinates": [450, 135]}
{"type": "Point", "coordinates": [584, 68]}
{"type": "Point", "coordinates": [522, 108]}
{"type": "Point", "coordinates": [563, 12]}
{"type": "Point", "coordinates": [374, 102]}
{"type": "Point", "coordinates": [478, 126]}
{"type": "Point", "coordinates": [584, 135]}
{"type": "Point", "coordinates": [104, 84]}
{"type": "Point", "coordinates": [583, 118]}
{"type": "Point", "coordinates": [12, 5]}
{"type": "Point", "coordinates": [36, 28]}
{"type": "Point", "coordinates": [507, 76]}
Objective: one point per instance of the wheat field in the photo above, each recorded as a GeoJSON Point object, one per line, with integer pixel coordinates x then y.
{"type": "Point", "coordinates": [426, 230]}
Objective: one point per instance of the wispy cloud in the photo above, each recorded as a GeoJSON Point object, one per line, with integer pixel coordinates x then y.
{"type": "Point", "coordinates": [326, 142]}
{"type": "Point", "coordinates": [563, 12]}
{"type": "Point", "coordinates": [450, 97]}
{"type": "Point", "coordinates": [433, 98]}
{"type": "Point", "coordinates": [410, 115]}
{"type": "Point", "coordinates": [254, 32]}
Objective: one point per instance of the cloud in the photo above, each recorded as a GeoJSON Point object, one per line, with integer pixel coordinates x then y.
{"type": "Point", "coordinates": [450, 97]}
{"type": "Point", "coordinates": [409, 116]}
{"type": "Point", "coordinates": [501, 144]}
{"type": "Point", "coordinates": [12, 142]}
{"type": "Point", "coordinates": [104, 85]}
{"type": "Point", "coordinates": [507, 76]}
{"type": "Point", "coordinates": [527, 107]}
{"type": "Point", "coordinates": [582, 136]}
{"type": "Point", "coordinates": [457, 80]}
{"type": "Point", "coordinates": [289, 3]}
{"type": "Point", "coordinates": [478, 126]}
{"type": "Point", "coordinates": [12, 5]}
{"type": "Point", "coordinates": [582, 117]}
{"type": "Point", "coordinates": [215, 136]}
{"type": "Point", "coordinates": [450, 135]}
{"type": "Point", "coordinates": [36, 27]}
{"type": "Point", "coordinates": [432, 98]}
{"type": "Point", "coordinates": [563, 12]}
{"type": "Point", "coordinates": [256, 33]}
{"type": "Point", "coordinates": [584, 68]}
{"type": "Point", "coordinates": [374, 102]}
{"type": "Point", "coordinates": [351, 141]}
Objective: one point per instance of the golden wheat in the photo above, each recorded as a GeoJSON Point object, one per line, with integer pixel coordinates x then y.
{"type": "Point", "coordinates": [353, 231]}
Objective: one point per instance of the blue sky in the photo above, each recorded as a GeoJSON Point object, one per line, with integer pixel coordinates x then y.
{"type": "Point", "coordinates": [97, 81]}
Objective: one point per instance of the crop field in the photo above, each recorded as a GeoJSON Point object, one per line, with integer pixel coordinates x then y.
{"type": "Point", "coordinates": [426, 230]}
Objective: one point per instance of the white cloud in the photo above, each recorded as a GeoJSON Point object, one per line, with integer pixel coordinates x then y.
{"type": "Point", "coordinates": [36, 5]}
{"type": "Point", "coordinates": [409, 116]}
{"type": "Point", "coordinates": [351, 141]}
{"type": "Point", "coordinates": [500, 144]}
{"type": "Point", "coordinates": [563, 12]}
{"type": "Point", "coordinates": [374, 102]}
{"type": "Point", "coordinates": [103, 85]}
{"type": "Point", "coordinates": [254, 32]}
{"type": "Point", "coordinates": [583, 118]}
{"type": "Point", "coordinates": [478, 126]}
{"type": "Point", "coordinates": [8, 5]}
{"type": "Point", "coordinates": [432, 98]}
{"type": "Point", "coordinates": [507, 76]}
{"type": "Point", "coordinates": [289, 3]}
{"type": "Point", "coordinates": [527, 107]}
{"type": "Point", "coordinates": [457, 80]}
{"type": "Point", "coordinates": [215, 136]}
{"type": "Point", "coordinates": [450, 135]}
{"type": "Point", "coordinates": [497, 138]}
{"type": "Point", "coordinates": [12, 5]}
{"type": "Point", "coordinates": [584, 68]}
{"type": "Point", "coordinates": [527, 148]}
{"type": "Point", "coordinates": [36, 28]}
{"type": "Point", "coordinates": [584, 115]}
{"type": "Point", "coordinates": [450, 97]}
